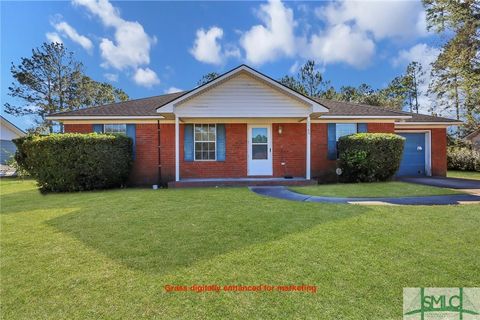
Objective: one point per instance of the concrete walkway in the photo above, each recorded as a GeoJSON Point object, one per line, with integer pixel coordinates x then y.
{"type": "Point", "coordinates": [285, 193]}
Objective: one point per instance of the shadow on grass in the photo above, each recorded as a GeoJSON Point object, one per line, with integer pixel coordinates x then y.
{"type": "Point", "coordinates": [161, 231]}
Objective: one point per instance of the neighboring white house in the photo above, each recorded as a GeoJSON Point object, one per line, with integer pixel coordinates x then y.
{"type": "Point", "coordinates": [9, 131]}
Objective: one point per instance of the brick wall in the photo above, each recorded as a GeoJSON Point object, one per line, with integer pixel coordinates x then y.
{"type": "Point", "coordinates": [167, 152]}
{"type": "Point", "coordinates": [381, 127]}
{"type": "Point", "coordinates": [78, 128]}
{"type": "Point", "coordinates": [235, 164]}
{"type": "Point", "coordinates": [145, 167]}
{"type": "Point", "coordinates": [439, 152]}
{"type": "Point", "coordinates": [289, 149]}
{"type": "Point", "coordinates": [321, 168]}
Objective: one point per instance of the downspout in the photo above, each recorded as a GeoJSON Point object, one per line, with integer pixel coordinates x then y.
{"type": "Point", "coordinates": [159, 156]}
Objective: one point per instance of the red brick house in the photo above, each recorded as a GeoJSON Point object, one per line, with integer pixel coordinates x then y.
{"type": "Point", "coordinates": [244, 125]}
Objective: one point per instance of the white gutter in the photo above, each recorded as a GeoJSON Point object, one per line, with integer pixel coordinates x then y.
{"type": "Point", "coordinates": [363, 117]}
{"type": "Point", "coordinates": [101, 117]}
{"type": "Point", "coordinates": [456, 123]}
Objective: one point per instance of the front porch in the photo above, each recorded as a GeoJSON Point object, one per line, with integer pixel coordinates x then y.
{"type": "Point", "coordinates": [240, 182]}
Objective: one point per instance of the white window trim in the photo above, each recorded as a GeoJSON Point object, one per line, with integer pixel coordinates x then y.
{"type": "Point", "coordinates": [195, 142]}
{"type": "Point", "coordinates": [428, 146]}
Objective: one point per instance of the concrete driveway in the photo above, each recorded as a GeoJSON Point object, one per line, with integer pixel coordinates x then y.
{"type": "Point", "coordinates": [452, 183]}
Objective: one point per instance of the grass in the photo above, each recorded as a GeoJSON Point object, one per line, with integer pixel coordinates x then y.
{"type": "Point", "coordinates": [464, 174]}
{"type": "Point", "coordinates": [109, 254]}
{"type": "Point", "coordinates": [375, 189]}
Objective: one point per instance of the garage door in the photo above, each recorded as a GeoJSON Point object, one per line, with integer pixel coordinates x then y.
{"type": "Point", "coordinates": [413, 159]}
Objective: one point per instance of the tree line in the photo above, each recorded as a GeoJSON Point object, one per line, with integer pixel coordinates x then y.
{"type": "Point", "coordinates": [52, 80]}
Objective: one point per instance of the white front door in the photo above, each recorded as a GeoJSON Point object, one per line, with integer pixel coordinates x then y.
{"type": "Point", "coordinates": [260, 150]}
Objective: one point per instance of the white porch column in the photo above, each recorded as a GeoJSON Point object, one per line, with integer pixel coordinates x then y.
{"type": "Point", "coordinates": [177, 149]}
{"type": "Point", "coordinates": [307, 176]}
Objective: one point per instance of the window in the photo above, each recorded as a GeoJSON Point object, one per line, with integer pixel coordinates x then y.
{"type": "Point", "coordinates": [344, 129]}
{"type": "Point", "coordinates": [205, 137]}
{"type": "Point", "coordinates": [259, 143]}
{"type": "Point", "coordinates": [115, 128]}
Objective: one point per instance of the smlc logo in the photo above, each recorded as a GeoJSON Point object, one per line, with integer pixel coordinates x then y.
{"type": "Point", "coordinates": [441, 303]}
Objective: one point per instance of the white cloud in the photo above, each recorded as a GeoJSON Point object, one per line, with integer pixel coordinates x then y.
{"type": "Point", "coordinates": [145, 77]}
{"type": "Point", "coordinates": [68, 31]}
{"type": "Point", "coordinates": [206, 47]}
{"type": "Point", "coordinates": [274, 38]}
{"type": "Point", "coordinates": [382, 18]}
{"type": "Point", "coordinates": [53, 37]}
{"type": "Point", "coordinates": [421, 52]}
{"type": "Point", "coordinates": [131, 47]}
{"type": "Point", "coordinates": [294, 67]}
{"type": "Point", "coordinates": [342, 44]}
{"type": "Point", "coordinates": [172, 90]}
{"type": "Point", "coordinates": [111, 76]}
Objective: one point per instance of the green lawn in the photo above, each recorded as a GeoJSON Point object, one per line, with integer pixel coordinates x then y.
{"type": "Point", "coordinates": [464, 174]}
{"type": "Point", "coordinates": [97, 255]}
{"type": "Point", "coordinates": [375, 189]}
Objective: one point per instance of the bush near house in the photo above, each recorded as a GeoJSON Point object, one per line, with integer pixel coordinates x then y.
{"type": "Point", "coordinates": [463, 158]}
{"type": "Point", "coordinates": [76, 162]}
{"type": "Point", "coordinates": [368, 157]}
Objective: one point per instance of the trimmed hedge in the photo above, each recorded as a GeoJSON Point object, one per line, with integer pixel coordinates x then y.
{"type": "Point", "coordinates": [76, 162]}
{"type": "Point", "coordinates": [368, 157]}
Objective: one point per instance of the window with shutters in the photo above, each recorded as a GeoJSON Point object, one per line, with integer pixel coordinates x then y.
{"type": "Point", "coordinates": [345, 129]}
{"type": "Point", "coordinates": [205, 142]}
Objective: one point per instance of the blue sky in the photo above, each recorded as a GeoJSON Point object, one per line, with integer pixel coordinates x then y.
{"type": "Point", "coordinates": [149, 48]}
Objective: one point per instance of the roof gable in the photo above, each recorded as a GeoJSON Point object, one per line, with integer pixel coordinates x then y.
{"type": "Point", "coordinates": [243, 92]}
{"type": "Point", "coordinates": [7, 125]}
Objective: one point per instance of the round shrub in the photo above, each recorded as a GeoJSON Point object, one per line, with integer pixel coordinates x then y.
{"type": "Point", "coordinates": [76, 162]}
{"type": "Point", "coordinates": [368, 157]}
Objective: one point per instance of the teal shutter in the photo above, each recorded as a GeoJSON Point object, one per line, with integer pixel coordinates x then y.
{"type": "Point", "coordinates": [131, 133]}
{"type": "Point", "coordinates": [332, 141]}
{"type": "Point", "coordinates": [362, 127]}
{"type": "Point", "coordinates": [188, 142]}
{"type": "Point", "coordinates": [221, 147]}
{"type": "Point", "coordinates": [98, 128]}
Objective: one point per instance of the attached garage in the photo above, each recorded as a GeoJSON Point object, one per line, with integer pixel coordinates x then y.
{"type": "Point", "coordinates": [416, 159]}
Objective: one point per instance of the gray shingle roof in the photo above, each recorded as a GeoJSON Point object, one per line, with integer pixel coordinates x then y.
{"type": "Point", "coordinates": [137, 107]}
{"type": "Point", "coordinates": [341, 108]}
{"type": "Point", "coordinates": [427, 118]}
{"type": "Point", "coordinates": [147, 107]}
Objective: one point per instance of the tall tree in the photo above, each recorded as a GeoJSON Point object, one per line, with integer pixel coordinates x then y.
{"type": "Point", "coordinates": [309, 81]}
{"type": "Point", "coordinates": [207, 78]}
{"type": "Point", "coordinates": [456, 72]}
{"type": "Point", "coordinates": [51, 80]}
{"type": "Point", "coordinates": [395, 94]}
{"type": "Point", "coordinates": [412, 80]}
{"type": "Point", "coordinates": [293, 84]}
